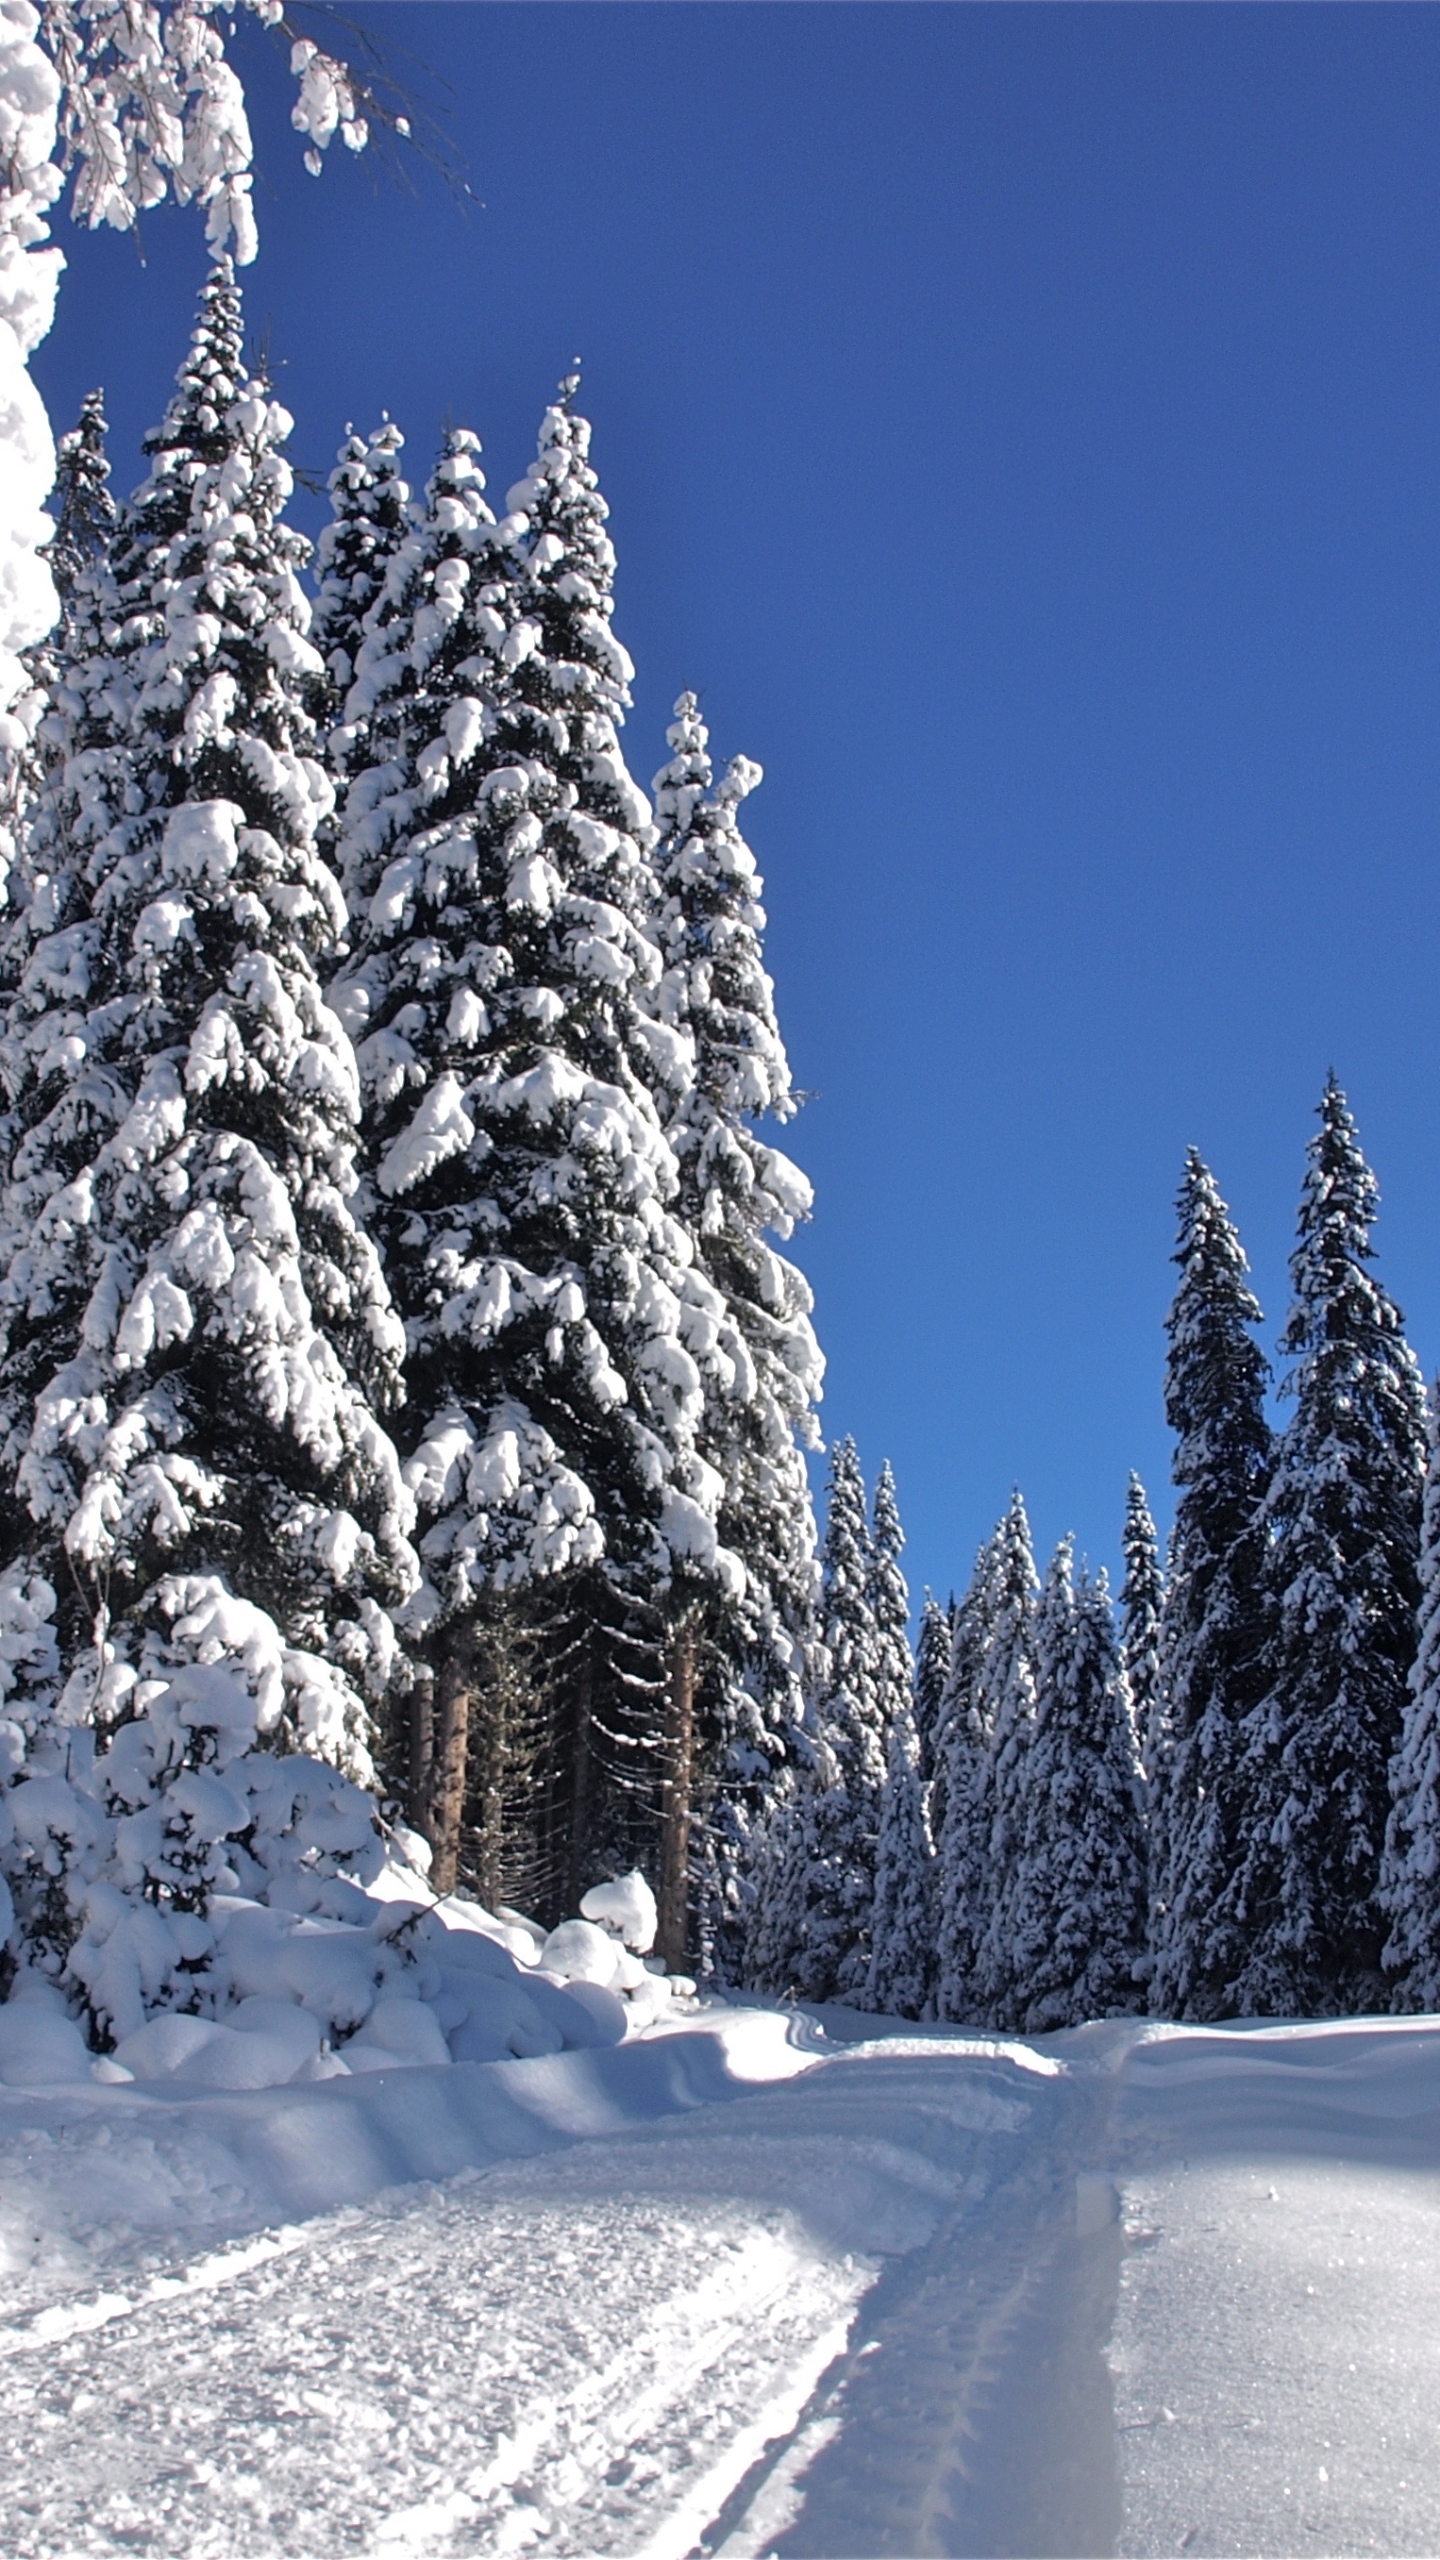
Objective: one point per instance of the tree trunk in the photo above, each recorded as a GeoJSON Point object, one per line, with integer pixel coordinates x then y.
{"type": "Point", "coordinates": [422, 1748]}
{"type": "Point", "coordinates": [454, 1692]}
{"type": "Point", "coordinates": [489, 1750]}
{"type": "Point", "coordinates": [577, 1846]}
{"type": "Point", "coordinates": [673, 1898]}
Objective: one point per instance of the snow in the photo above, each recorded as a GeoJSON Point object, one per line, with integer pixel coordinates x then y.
{"type": "Point", "coordinates": [799, 2281]}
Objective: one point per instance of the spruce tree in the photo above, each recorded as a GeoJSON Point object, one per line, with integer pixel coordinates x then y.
{"type": "Point", "coordinates": [902, 1924]}
{"type": "Point", "coordinates": [1005, 1702]}
{"type": "Point", "coordinates": [1075, 1896]}
{"type": "Point", "coordinates": [195, 1338]}
{"type": "Point", "coordinates": [1343, 1574]}
{"type": "Point", "coordinates": [1410, 1867]}
{"type": "Point", "coordinates": [1215, 1614]}
{"type": "Point", "coordinates": [960, 1792]}
{"type": "Point", "coordinates": [560, 1334]}
{"type": "Point", "coordinates": [825, 1886]}
{"type": "Point", "coordinates": [370, 518]}
{"type": "Point", "coordinates": [720, 1066]}
{"type": "Point", "coordinates": [1142, 1596]}
{"type": "Point", "coordinates": [56, 720]}
{"type": "Point", "coordinates": [933, 1647]}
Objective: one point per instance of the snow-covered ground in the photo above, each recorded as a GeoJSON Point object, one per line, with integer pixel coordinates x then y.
{"type": "Point", "coordinates": [756, 2282]}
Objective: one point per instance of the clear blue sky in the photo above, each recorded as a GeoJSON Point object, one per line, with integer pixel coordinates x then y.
{"type": "Point", "coordinates": [1020, 424]}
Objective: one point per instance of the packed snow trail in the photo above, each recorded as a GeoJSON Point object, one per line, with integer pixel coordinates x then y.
{"type": "Point", "coordinates": [1277, 2343]}
{"type": "Point", "coordinates": [1131, 2289]}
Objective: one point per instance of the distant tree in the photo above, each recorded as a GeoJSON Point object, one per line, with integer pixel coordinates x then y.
{"type": "Point", "coordinates": [1142, 1596]}
{"type": "Point", "coordinates": [902, 1925]}
{"type": "Point", "coordinates": [960, 1794]}
{"type": "Point", "coordinates": [1343, 1574]}
{"type": "Point", "coordinates": [1410, 1866]}
{"type": "Point", "coordinates": [1005, 1699]}
{"type": "Point", "coordinates": [932, 1669]}
{"type": "Point", "coordinates": [824, 1886]}
{"type": "Point", "coordinates": [1215, 1616]}
{"type": "Point", "coordinates": [1075, 1897]}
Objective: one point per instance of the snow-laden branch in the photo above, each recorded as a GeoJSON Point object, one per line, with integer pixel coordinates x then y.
{"type": "Point", "coordinates": [134, 101]}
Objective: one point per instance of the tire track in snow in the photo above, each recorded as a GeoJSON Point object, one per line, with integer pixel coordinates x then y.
{"type": "Point", "coordinates": [584, 2353]}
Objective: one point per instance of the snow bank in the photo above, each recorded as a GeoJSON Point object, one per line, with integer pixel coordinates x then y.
{"type": "Point", "coordinates": [100, 2173]}
{"type": "Point", "coordinates": [338, 1973]}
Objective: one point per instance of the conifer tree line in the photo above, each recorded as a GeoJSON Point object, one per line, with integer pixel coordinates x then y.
{"type": "Point", "coordinates": [403, 1395]}
{"type": "Point", "coordinates": [405, 1399]}
{"type": "Point", "coordinates": [1219, 1798]}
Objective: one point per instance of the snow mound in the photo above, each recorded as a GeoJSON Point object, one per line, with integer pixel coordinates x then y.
{"type": "Point", "coordinates": [627, 1906]}
{"type": "Point", "coordinates": [367, 1972]}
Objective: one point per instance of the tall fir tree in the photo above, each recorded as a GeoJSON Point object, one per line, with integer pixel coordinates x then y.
{"type": "Point", "coordinates": [1142, 1599]}
{"type": "Point", "coordinates": [933, 1647]}
{"type": "Point", "coordinates": [195, 1338]}
{"type": "Point", "coordinates": [51, 723]}
{"type": "Point", "coordinates": [1216, 1613]}
{"type": "Point", "coordinates": [902, 1921]}
{"type": "Point", "coordinates": [1005, 1699]}
{"type": "Point", "coordinates": [1343, 1571]}
{"type": "Point", "coordinates": [1410, 1867]}
{"type": "Point", "coordinates": [1075, 1895]}
{"type": "Point", "coordinates": [560, 1333]}
{"type": "Point", "coordinates": [720, 1066]}
{"type": "Point", "coordinates": [823, 1882]}
{"type": "Point", "coordinates": [370, 519]}
{"type": "Point", "coordinates": [960, 1791]}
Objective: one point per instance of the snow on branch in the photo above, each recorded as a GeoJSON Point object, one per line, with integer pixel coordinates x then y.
{"type": "Point", "coordinates": [151, 106]}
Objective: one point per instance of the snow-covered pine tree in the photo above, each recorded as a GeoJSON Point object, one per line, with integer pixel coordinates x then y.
{"type": "Point", "coordinates": [195, 1337]}
{"type": "Point", "coordinates": [370, 519]}
{"type": "Point", "coordinates": [824, 1887]}
{"type": "Point", "coordinates": [1142, 1597]}
{"type": "Point", "coordinates": [720, 1066]}
{"type": "Point", "coordinates": [1410, 1867]}
{"type": "Point", "coordinates": [78, 558]}
{"type": "Point", "coordinates": [1214, 1617]}
{"type": "Point", "coordinates": [933, 1647]}
{"type": "Point", "coordinates": [1074, 1897]}
{"type": "Point", "coordinates": [560, 1334]}
{"type": "Point", "coordinates": [84, 510]}
{"type": "Point", "coordinates": [902, 1923]}
{"type": "Point", "coordinates": [1005, 1699]}
{"type": "Point", "coordinates": [959, 1807]}
{"type": "Point", "coordinates": [1343, 1573]}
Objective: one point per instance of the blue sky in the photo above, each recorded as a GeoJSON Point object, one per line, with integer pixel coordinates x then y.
{"type": "Point", "coordinates": [1020, 426]}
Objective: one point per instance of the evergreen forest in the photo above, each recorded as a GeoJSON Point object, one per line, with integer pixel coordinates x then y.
{"type": "Point", "coordinates": [406, 1394]}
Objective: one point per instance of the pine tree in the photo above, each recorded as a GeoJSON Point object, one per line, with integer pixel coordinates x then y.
{"type": "Point", "coordinates": [195, 1338]}
{"type": "Point", "coordinates": [1214, 1620]}
{"type": "Point", "coordinates": [1344, 1516]}
{"type": "Point", "coordinates": [1410, 1868]}
{"type": "Point", "coordinates": [902, 1923]}
{"type": "Point", "coordinates": [560, 1334]}
{"type": "Point", "coordinates": [933, 1647]}
{"type": "Point", "coordinates": [50, 715]}
{"type": "Point", "coordinates": [720, 1065]}
{"type": "Point", "coordinates": [1142, 1597]}
{"type": "Point", "coordinates": [960, 1791]}
{"type": "Point", "coordinates": [370, 518]}
{"type": "Point", "coordinates": [1005, 1703]}
{"type": "Point", "coordinates": [825, 1886]}
{"type": "Point", "coordinates": [1075, 1898]}
{"type": "Point", "coordinates": [85, 515]}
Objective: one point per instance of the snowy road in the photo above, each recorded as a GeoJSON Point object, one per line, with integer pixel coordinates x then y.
{"type": "Point", "coordinates": [1175, 2294]}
